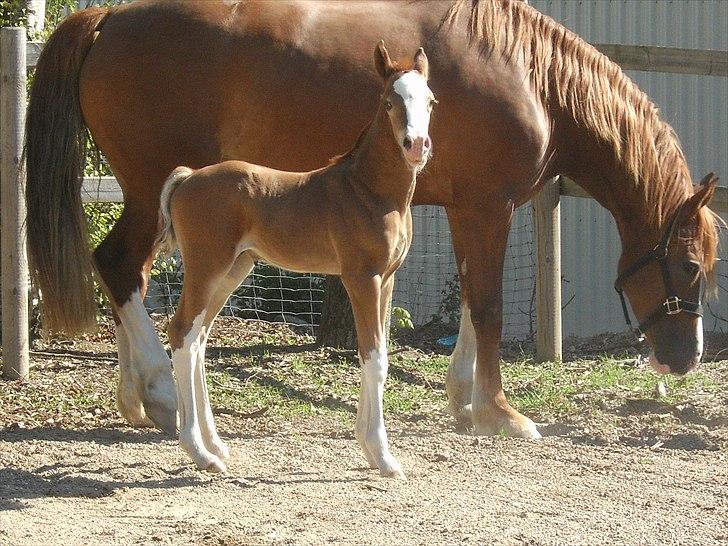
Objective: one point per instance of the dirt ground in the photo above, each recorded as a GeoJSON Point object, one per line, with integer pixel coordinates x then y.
{"type": "Point", "coordinates": [632, 471]}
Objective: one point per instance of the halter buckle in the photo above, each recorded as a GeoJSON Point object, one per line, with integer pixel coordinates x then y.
{"type": "Point", "coordinates": [672, 305]}
{"type": "Point", "coordinates": [660, 252]}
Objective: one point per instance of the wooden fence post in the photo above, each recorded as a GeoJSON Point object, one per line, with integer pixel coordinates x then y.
{"type": "Point", "coordinates": [547, 232]}
{"type": "Point", "coordinates": [12, 179]}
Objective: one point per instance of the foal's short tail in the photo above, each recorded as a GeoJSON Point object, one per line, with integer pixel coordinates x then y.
{"type": "Point", "coordinates": [56, 139]}
{"type": "Point", "coordinates": [166, 239]}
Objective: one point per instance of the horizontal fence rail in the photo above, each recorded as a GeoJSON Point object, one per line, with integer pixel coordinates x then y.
{"type": "Point", "coordinates": [105, 189]}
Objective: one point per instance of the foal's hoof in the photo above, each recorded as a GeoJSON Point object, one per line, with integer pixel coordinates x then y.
{"type": "Point", "coordinates": [391, 469]}
{"type": "Point", "coordinates": [392, 473]}
{"type": "Point", "coordinates": [216, 467]}
{"type": "Point", "coordinates": [212, 464]}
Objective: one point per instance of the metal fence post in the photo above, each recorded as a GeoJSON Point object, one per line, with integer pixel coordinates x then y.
{"type": "Point", "coordinates": [12, 179]}
{"type": "Point", "coordinates": [547, 232]}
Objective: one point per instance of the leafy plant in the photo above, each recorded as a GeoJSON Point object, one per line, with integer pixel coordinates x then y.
{"type": "Point", "coordinates": [401, 319]}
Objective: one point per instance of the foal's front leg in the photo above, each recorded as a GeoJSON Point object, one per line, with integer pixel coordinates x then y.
{"type": "Point", "coordinates": [365, 294]}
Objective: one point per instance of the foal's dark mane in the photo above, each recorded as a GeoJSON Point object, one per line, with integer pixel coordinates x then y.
{"type": "Point", "coordinates": [571, 75]}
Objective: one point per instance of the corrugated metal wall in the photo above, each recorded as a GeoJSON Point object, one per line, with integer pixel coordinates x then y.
{"type": "Point", "coordinates": [696, 106]}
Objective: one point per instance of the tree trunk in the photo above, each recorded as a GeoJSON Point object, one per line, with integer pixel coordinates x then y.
{"type": "Point", "coordinates": [36, 15]}
{"type": "Point", "coordinates": [337, 321]}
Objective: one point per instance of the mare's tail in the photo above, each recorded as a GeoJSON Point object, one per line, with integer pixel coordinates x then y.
{"type": "Point", "coordinates": [166, 239]}
{"type": "Point", "coordinates": [56, 139]}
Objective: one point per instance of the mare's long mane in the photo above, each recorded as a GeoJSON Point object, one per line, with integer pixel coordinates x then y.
{"type": "Point", "coordinates": [572, 75]}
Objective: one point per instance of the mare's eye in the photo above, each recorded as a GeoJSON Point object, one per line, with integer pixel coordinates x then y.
{"type": "Point", "coordinates": [691, 268]}
{"type": "Point", "coordinates": [388, 105]}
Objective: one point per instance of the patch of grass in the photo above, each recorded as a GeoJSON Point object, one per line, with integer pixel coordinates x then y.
{"type": "Point", "coordinates": [556, 388]}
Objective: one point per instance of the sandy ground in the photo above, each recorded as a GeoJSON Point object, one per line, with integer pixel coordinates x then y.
{"type": "Point", "coordinates": [303, 481]}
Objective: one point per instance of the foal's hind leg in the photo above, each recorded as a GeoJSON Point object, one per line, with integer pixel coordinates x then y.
{"type": "Point", "coordinates": [241, 268]}
{"type": "Point", "coordinates": [123, 261]}
{"type": "Point", "coordinates": [365, 294]}
{"type": "Point", "coordinates": [209, 279]}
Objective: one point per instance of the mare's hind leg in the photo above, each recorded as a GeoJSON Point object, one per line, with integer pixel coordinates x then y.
{"type": "Point", "coordinates": [128, 399]}
{"type": "Point", "coordinates": [365, 294]}
{"type": "Point", "coordinates": [123, 261]}
{"type": "Point", "coordinates": [241, 268]}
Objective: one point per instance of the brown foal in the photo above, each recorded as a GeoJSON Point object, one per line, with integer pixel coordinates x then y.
{"type": "Point", "coordinates": [351, 218]}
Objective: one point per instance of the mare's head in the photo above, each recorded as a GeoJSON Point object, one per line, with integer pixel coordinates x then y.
{"type": "Point", "coordinates": [408, 102]}
{"type": "Point", "coordinates": [664, 273]}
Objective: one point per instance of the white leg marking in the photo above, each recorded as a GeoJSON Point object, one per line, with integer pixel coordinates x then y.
{"type": "Point", "coordinates": [459, 383]}
{"type": "Point", "coordinates": [130, 387]}
{"type": "Point", "coordinates": [185, 361]}
{"type": "Point", "coordinates": [373, 376]}
{"type": "Point", "coordinates": [207, 421]}
{"type": "Point", "coordinates": [149, 362]}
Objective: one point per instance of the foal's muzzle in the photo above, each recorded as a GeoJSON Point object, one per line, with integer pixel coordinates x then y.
{"type": "Point", "coordinates": [417, 149]}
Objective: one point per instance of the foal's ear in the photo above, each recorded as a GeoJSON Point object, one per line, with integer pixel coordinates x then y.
{"type": "Point", "coordinates": [422, 64]}
{"type": "Point", "coordinates": [382, 62]}
{"type": "Point", "coordinates": [701, 197]}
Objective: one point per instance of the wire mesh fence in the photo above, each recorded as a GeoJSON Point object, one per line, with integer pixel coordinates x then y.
{"type": "Point", "coordinates": [426, 285]}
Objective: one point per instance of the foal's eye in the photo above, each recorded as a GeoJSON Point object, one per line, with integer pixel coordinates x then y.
{"type": "Point", "coordinates": [388, 105]}
{"type": "Point", "coordinates": [691, 268]}
{"type": "Point", "coordinates": [433, 102]}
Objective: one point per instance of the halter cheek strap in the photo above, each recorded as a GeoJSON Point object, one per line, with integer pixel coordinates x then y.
{"type": "Point", "coordinates": [673, 304]}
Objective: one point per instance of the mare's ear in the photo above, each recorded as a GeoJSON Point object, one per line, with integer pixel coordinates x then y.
{"type": "Point", "coordinates": [702, 195]}
{"type": "Point", "coordinates": [382, 62]}
{"type": "Point", "coordinates": [422, 64]}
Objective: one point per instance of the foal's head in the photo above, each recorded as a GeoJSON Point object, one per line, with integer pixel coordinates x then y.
{"type": "Point", "coordinates": [408, 102]}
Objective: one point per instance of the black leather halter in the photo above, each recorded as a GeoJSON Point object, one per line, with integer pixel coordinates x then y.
{"type": "Point", "coordinates": [673, 304]}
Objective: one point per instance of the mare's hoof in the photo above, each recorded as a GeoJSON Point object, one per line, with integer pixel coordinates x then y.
{"type": "Point", "coordinates": [165, 418]}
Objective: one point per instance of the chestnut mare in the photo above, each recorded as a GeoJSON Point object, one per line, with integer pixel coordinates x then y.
{"type": "Point", "coordinates": [351, 218]}
{"type": "Point", "coordinates": [166, 83]}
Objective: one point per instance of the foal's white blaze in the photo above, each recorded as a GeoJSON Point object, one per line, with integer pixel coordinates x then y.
{"type": "Point", "coordinates": [185, 361]}
{"type": "Point", "coordinates": [370, 415]}
{"type": "Point", "coordinates": [147, 362]}
{"type": "Point", "coordinates": [417, 96]}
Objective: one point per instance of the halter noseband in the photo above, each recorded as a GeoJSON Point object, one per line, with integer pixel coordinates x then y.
{"type": "Point", "coordinates": [673, 304]}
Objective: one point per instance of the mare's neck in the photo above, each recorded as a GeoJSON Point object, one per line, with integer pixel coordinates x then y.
{"type": "Point", "coordinates": [594, 165]}
{"type": "Point", "coordinates": [378, 165]}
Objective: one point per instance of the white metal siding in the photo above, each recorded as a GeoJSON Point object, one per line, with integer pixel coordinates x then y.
{"type": "Point", "coordinates": [696, 106]}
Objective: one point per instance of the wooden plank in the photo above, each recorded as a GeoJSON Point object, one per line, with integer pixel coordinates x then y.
{"type": "Point", "coordinates": [547, 234]}
{"type": "Point", "coordinates": [719, 203]}
{"type": "Point", "coordinates": [104, 189]}
{"type": "Point", "coordinates": [667, 59]}
{"type": "Point", "coordinates": [16, 357]}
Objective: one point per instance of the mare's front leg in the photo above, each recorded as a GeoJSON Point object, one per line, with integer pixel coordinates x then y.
{"type": "Point", "coordinates": [123, 260]}
{"type": "Point", "coordinates": [482, 233]}
{"type": "Point", "coordinates": [365, 293]}
{"type": "Point", "coordinates": [459, 382]}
